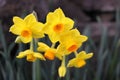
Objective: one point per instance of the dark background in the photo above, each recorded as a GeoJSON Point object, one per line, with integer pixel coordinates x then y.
{"type": "Point", "coordinates": [83, 12]}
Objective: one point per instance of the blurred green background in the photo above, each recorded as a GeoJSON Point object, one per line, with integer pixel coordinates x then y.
{"type": "Point", "coordinates": [98, 19]}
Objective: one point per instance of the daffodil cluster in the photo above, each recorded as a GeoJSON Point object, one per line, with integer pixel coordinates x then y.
{"type": "Point", "coordinates": [59, 29]}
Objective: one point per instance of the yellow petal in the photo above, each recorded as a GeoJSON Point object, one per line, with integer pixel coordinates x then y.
{"type": "Point", "coordinates": [76, 62]}
{"type": "Point", "coordinates": [30, 19]}
{"type": "Point", "coordinates": [53, 37]}
{"type": "Point", "coordinates": [59, 12]}
{"type": "Point", "coordinates": [36, 29]}
{"type": "Point", "coordinates": [68, 23]}
{"type": "Point", "coordinates": [26, 39]}
{"type": "Point", "coordinates": [83, 55]}
{"type": "Point", "coordinates": [18, 20]}
{"type": "Point", "coordinates": [52, 17]}
{"type": "Point", "coordinates": [55, 16]}
{"type": "Point", "coordinates": [42, 47]}
{"type": "Point", "coordinates": [80, 63]}
{"type": "Point", "coordinates": [62, 50]}
{"type": "Point", "coordinates": [18, 26]}
{"type": "Point", "coordinates": [21, 55]}
{"type": "Point", "coordinates": [83, 38]}
{"type": "Point", "coordinates": [48, 28]}
{"type": "Point", "coordinates": [16, 29]}
{"type": "Point", "coordinates": [59, 56]}
{"type": "Point", "coordinates": [39, 56]}
{"type": "Point", "coordinates": [68, 37]}
{"type": "Point", "coordinates": [71, 62]}
{"type": "Point", "coordinates": [62, 71]}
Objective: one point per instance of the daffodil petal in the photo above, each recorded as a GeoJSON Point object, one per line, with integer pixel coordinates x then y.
{"type": "Point", "coordinates": [42, 47]}
{"type": "Point", "coordinates": [36, 29]}
{"type": "Point", "coordinates": [76, 62]}
{"type": "Point", "coordinates": [71, 62]}
{"type": "Point", "coordinates": [21, 55]}
{"type": "Point", "coordinates": [30, 19]}
{"type": "Point", "coordinates": [79, 63]}
{"type": "Point", "coordinates": [61, 50]}
{"type": "Point", "coordinates": [83, 55]}
{"type": "Point", "coordinates": [17, 20]}
{"type": "Point", "coordinates": [16, 30]}
{"type": "Point", "coordinates": [89, 55]}
{"type": "Point", "coordinates": [54, 37]}
{"type": "Point", "coordinates": [59, 56]}
{"type": "Point", "coordinates": [59, 13]}
{"type": "Point", "coordinates": [18, 26]}
{"type": "Point", "coordinates": [80, 54]}
{"type": "Point", "coordinates": [52, 16]}
{"type": "Point", "coordinates": [26, 39]}
{"type": "Point", "coordinates": [39, 56]}
{"type": "Point", "coordinates": [68, 23]}
{"type": "Point", "coordinates": [83, 38]}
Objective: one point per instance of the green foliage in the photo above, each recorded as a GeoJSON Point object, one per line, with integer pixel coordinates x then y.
{"type": "Point", "coordinates": [6, 64]}
{"type": "Point", "coordinates": [10, 67]}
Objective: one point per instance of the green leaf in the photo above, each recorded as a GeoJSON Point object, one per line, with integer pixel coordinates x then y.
{"type": "Point", "coordinates": [2, 39]}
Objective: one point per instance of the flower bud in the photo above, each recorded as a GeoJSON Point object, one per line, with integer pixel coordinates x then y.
{"type": "Point", "coordinates": [62, 71]}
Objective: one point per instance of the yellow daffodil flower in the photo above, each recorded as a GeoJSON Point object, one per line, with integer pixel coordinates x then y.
{"type": "Point", "coordinates": [50, 53]}
{"type": "Point", "coordinates": [70, 41]}
{"type": "Point", "coordinates": [79, 60]}
{"type": "Point", "coordinates": [31, 56]}
{"type": "Point", "coordinates": [56, 24]}
{"type": "Point", "coordinates": [27, 28]}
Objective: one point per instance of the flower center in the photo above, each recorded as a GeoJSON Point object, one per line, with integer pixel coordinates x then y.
{"type": "Point", "coordinates": [58, 28]}
{"type": "Point", "coordinates": [49, 55]}
{"type": "Point", "coordinates": [72, 48]}
{"type": "Point", "coordinates": [80, 63]}
{"type": "Point", "coordinates": [30, 58]}
{"type": "Point", "coordinates": [26, 33]}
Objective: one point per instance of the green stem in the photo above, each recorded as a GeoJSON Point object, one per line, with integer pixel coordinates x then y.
{"type": "Point", "coordinates": [31, 45]}
{"type": "Point", "coordinates": [63, 61]}
{"type": "Point", "coordinates": [53, 45]}
{"type": "Point", "coordinates": [75, 52]}
{"type": "Point", "coordinates": [36, 73]}
{"type": "Point", "coordinates": [35, 44]}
